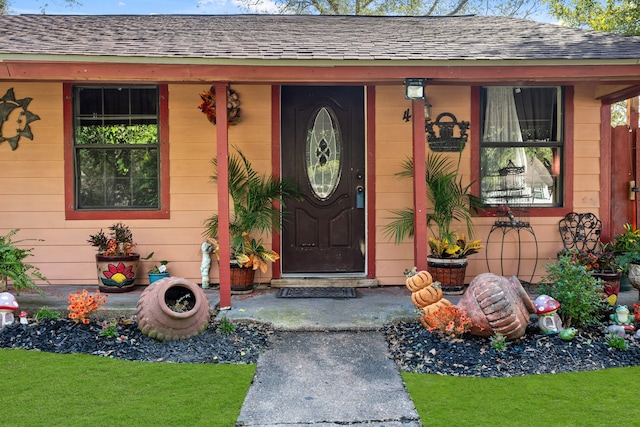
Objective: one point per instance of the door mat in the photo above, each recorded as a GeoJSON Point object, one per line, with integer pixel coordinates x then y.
{"type": "Point", "coordinates": [317, 293]}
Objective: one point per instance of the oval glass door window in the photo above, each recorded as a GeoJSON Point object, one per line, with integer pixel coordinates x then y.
{"type": "Point", "coordinates": [323, 154]}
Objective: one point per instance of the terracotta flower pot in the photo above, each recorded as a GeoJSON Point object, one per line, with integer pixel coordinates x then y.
{"type": "Point", "coordinates": [172, 309]}
{"type": "Point", "coordinates": [611, 284]}
{"type": "Point", "coordinates": [117, 273]}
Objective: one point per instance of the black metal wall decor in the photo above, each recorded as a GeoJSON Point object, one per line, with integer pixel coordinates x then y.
{"type": "Point", "coordinates": [445, 139]}
{"type": "Point", "coordinates": [15, 110]}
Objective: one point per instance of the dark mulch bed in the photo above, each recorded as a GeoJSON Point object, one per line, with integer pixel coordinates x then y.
{"type": "Point", "coordinates": [413, 348]}
{"type": "Point", "coordinates": [211, 346]}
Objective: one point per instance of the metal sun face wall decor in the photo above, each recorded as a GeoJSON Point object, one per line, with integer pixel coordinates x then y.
{"type": "Point", "coordinates": [15, 119]}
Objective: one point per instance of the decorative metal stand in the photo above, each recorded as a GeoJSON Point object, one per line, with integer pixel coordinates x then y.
{"type": "Point", "coordinates": [514, 217]}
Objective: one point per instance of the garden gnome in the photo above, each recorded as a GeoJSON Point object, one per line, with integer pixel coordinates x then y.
{"type": "Point", "coordinates": [548, 320]}
{"type": "Point", "coordinates": [206, 264]}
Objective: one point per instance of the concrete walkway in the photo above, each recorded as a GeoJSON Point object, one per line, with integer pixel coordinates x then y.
{"type": "Point", "coordinates": [327, 379]}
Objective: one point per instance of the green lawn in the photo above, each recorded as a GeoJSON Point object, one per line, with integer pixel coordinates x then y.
{"type": "Point", "coordinates": [600, 398]}
{"type": "Point", "coordinates": [46, 389]}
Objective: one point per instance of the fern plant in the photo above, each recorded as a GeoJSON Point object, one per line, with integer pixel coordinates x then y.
{"type": "Point", "coordinates": [12, 264]}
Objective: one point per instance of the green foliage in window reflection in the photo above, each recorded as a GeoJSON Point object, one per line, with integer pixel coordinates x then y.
{"type": "Point", "coordinates": [117, 134]}
{"type": "Point", "coordinates": [126, 177]}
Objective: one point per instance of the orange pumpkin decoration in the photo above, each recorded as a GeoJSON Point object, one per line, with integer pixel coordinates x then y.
{"type": "Point", "coordinates": [419, 281]}
{"type": "Point", "coordinates": [426, 296]}
{"type": "Point", "coordinates": [431, 308]}
{"type": "Point", "coordinates": [427, 312]}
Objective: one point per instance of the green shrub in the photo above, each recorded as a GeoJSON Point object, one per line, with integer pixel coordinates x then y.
{"type": "Point", "coordinates": [578, 292]}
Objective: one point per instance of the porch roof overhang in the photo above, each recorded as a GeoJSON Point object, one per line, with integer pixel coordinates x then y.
{"type": "Point", "coordinates": [438, 72]}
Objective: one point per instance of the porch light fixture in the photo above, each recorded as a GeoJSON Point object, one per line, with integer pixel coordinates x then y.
{"type": "Point", "coordinates": [414, 88]}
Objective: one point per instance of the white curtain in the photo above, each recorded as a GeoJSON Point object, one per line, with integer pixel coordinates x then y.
{"type": "Point", "coordinates": [502, 125]}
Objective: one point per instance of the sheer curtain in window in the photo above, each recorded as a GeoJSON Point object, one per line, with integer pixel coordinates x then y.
{"type": "Point", "coordinates": [502, 126]}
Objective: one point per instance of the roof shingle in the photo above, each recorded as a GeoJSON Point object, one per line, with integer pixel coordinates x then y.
{"type": "Point", "coordinates": [309, 37]}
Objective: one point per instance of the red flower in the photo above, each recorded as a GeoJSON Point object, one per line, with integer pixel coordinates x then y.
{"type": "Point", "coordinates": [119, 273]}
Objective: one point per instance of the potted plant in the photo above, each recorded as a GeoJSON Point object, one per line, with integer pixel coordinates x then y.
{"type": "Point", "coordinates": [253, 196]}
{"type": "Point", "coordinates": [159, 271]}
{"type": "Point", "coordinates": [626, 247]}
{"type": "Point", "coordinates": [13, 266]}
{"type": "Point", "coordinates": [116, 262]}
{"type": "Point", "coordinates": [450, 201]}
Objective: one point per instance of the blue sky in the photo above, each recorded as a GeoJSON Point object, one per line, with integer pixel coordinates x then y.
{"type": "Point", "coordinates": [147, 7]}
{"type": "Point", "coordinates": [125, 7]}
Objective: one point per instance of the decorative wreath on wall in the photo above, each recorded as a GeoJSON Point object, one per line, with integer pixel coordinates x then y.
{"type": "Point", "coordinates": [15, 110]}
{"type": "Point", "coordinates": [208, 105]}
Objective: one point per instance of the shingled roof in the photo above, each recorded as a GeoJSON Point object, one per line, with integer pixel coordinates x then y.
{"type": "Point", "coordinates": [306, 37]}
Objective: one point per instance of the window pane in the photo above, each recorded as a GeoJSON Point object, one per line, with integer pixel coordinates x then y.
{"type": "Point", "coordinates": [90, 101]}
{"type": "Point", "coordinates": [117, 178]}
{"type": "Point", "coordinates": [116, 101]}
{"type": "Point", "coordinates": [323, 154]}
{"type": "Point", "coordinates": [532, 181]}
{"type": "Point", "coordinates": [117, 162]}
{"type": "Point", "coordinates": [110, 133]}
{"type": "Point", "coordinates": [144, 101]}
{"type": "Point", "coordinates": [537, 113]}
{"type": "Point", "coordinates": [521, 146]}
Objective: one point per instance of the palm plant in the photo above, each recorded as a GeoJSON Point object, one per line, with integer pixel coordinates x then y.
{"type": "Point", "coordinates": [253, 196]}
{"type": "Point", "coordinates": [450, 201]}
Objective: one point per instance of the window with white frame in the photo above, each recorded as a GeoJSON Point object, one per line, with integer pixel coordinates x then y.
{"type": "Point", "coordinates": [116, 148]}
{"type": "Point", "coordinates": [521, 146]}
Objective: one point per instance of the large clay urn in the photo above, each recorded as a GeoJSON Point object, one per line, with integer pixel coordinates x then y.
{"type": "Point", "coordinates": [157, 315]}
{"type": "Point", "coordinates": [497, 304]}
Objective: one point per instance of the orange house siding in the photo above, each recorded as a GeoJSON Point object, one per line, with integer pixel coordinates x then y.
{"type": "Point", "coordinates": [32, 195]}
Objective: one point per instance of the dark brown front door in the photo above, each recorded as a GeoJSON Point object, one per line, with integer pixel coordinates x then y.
{"type": "Point", "coordinates": [323, 151]}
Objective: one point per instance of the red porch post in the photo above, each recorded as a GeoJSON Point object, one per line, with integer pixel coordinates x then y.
{"type": "Point", "coordinates": [419, 186]}
{"type": "Point", "coordinates": [222, 153]}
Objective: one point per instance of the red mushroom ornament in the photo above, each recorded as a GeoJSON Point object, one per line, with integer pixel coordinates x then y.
{"type": "Point", "coordinates": [548, 321]}
{"type": "Point", "coordinates": [8, 304]}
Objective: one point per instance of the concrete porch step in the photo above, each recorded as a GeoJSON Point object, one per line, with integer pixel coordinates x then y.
{"type": "Point", "coordinates": [324, 282]}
